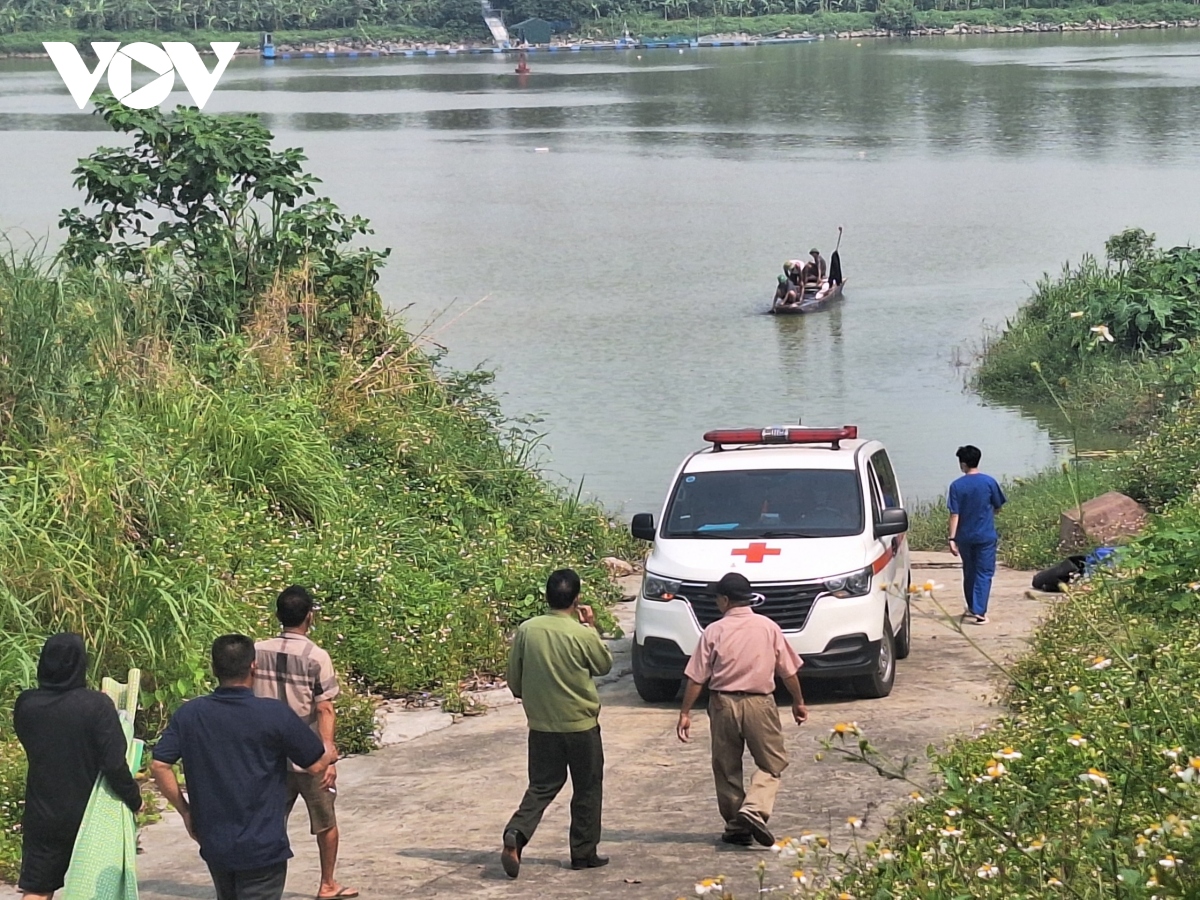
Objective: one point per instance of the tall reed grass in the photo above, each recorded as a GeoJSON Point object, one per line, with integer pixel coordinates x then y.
{"type": "Point", "coordinates": [157, 490]}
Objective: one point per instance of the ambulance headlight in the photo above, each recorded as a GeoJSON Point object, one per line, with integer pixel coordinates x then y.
{"type": "Point", "coordinates": [655, 587]}
{"type": "Point", "coordinates": [856, 584]}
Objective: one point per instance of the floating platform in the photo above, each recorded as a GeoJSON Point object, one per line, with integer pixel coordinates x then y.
{"type": "Point", "coordinates": [273, 52]}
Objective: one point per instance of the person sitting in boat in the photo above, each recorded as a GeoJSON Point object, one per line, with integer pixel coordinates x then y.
{"type": "Point", "coordinates": [794, 270]}
{"type": "Point", "coordinates": [813, 272]}
{"type": "Point", "coordinates": [786, 293]}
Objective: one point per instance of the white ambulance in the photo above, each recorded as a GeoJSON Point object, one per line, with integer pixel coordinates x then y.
{"type": "Point", "coordinates": [814, 518]}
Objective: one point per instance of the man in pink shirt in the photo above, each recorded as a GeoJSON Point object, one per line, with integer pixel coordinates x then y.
{"type": "Point", "coordinates": [738, 657]}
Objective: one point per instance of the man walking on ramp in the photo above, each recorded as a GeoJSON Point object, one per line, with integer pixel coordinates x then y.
{"type": "Point", "coordinates": [235, 749]}
{"type": "Point", "coordinates": [293, 669]}
{"type": "Point", "coordinates": [553, 661]}
{"type": "Point", "coordinates": [973, 501]}
{"type": "Point", "coordinates": [738, 657]}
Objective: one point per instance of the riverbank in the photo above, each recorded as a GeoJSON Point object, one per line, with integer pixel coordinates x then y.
{"type": "Point", "coordinates": [177, 447]}
{"type": "Point", "coordinates": [1112, 344]}
{"type": "Point", "coordinates": [1091, 787]}
{"type": "Point", "coordinates": [397, 40]}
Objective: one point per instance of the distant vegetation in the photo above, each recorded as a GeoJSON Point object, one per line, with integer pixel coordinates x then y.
{"type": "Point", "coordinates": [56, 19]}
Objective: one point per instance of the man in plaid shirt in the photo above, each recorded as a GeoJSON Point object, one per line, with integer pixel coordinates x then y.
{"type": "Point", "coordinates": [293, 669]}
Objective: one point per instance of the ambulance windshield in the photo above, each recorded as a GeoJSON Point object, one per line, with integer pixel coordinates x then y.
{"type": "Point", "coordinates": [766, 503]}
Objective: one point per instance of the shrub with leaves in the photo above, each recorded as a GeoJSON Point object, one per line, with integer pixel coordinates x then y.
{"type": "Point", "coordinates": [205, 201]}
{"type": "Point", "coordinates": [1118, 340]}
{"type": "Point", "coordinates": [1090, 790]}
{"type": "Point", "coordinates": [180, 440]}
{"type": "Point", "coordinates": [12, 807]}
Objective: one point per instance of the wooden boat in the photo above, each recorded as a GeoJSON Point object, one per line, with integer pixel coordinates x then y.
{"type": "Point", "coordinates": [811, 303]}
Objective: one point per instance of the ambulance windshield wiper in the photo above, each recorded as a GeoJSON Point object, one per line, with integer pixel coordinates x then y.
{"type": "Point", "coordinates": [703, 533]}
{"type": "Point", "coordinates": [790, 534]}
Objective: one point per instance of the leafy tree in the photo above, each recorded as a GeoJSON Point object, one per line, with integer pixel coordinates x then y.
{"type": "Point", "coordinates": [1128, 247]}
{"type": "Point", "coordinates": [210, 193]}
{"type": "Point", "coordinates": [896, 16]}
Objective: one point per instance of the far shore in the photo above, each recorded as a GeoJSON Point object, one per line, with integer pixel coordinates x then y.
{"type": "Point", "coordinates": [322, 44]}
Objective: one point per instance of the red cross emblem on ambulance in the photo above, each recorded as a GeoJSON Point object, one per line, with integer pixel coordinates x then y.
{"type": "Point", "coordinates": [756, 552]}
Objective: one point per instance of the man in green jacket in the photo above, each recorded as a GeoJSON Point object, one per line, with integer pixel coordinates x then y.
{"type": "Point", "coordinates": [553, 661]}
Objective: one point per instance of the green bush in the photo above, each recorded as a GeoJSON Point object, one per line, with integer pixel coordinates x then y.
{"type": "Point", "coordinates": [1116, 341]}
{"type": "Point", "coordinates": [1089, 790]}
{"type": "Point", "coordinates": [357, 722]}
{"type": "Point", "coordinates": [162, 475]}
{"type": "Point", "coordinates": [1165, 463]}
{"type": "Point", "coordinates": [12, 807]}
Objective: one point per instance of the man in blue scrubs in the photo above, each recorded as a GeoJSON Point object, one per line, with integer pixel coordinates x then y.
{"type": "Point", "coordinates": [235, 749]}
{"type": "Point", "coordinates": [973, 501]}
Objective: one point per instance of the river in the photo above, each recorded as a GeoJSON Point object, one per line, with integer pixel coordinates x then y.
{"type": "Point", "coordinates": [606, 234]}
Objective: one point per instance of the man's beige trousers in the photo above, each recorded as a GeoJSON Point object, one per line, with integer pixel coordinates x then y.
{"type": "Point", "coordinates": [737, 721]}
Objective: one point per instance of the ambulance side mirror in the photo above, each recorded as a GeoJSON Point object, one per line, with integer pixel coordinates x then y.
{"type": "Point", "coordinates": [891, 521]}
{"type": "Point", "coordinates": [642, 527]}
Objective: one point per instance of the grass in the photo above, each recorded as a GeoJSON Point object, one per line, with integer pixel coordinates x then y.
{"type": "Point", "coordinates": [1089, 790]}
{"type": "Point", "coordinates": [1029, 522]}
{"type": "Point", "coordinates": [1114, 342]}
{"type": "Point", "coordinates": [156, 493]}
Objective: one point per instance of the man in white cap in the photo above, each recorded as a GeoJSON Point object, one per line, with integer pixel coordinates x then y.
{"type": "Point", "coordinates": [739, 657]}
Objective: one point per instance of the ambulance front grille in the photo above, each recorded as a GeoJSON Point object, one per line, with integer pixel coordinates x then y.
{"type": "Point", "coordinates": [786, 604]}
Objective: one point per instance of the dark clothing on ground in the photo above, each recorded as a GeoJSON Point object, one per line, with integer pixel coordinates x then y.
{"type": "Point", "coordinates": [251, 884]}
{"type": "Point", "coordinates": [1052, 579]}
{"type": "Point", "coordinates": [235, 749]}
{"type": "Point", "coordinates": [71, 736]}
{"type": "Point", "coordinates": [551, 755]}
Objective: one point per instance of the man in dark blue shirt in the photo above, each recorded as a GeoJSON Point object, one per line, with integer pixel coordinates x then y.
{"type": "Point", "coordinates": [973, 501]}
{"type": "Point", "coordinates": [235, 749]}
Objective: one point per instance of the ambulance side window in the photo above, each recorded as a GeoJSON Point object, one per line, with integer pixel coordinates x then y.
{"type": "Point", "coordinates": [886, 477]}
{"type": "Point", "coordinates": [873, 479]}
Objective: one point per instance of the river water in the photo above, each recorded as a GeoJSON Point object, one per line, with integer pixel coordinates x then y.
{"type": "Point", "coordinates": [606, 234]}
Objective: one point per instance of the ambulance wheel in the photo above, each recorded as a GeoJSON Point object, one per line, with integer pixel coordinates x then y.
{"type": "Point", "coordinates": [904, 636]}
{"type": "Point", "coordinates": [879, 683]}
{"type": "Point", "coordinates": [652, 690]}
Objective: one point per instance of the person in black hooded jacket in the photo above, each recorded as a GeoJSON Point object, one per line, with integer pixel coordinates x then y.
{"type": "Point", "coordinates": [70, 735]}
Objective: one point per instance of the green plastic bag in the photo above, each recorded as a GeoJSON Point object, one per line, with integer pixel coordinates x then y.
{"type": "Point", "coordinates": [104, 861]}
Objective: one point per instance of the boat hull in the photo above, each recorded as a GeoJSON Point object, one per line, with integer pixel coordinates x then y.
{"type": "Point", "coordinates": [808, 304]}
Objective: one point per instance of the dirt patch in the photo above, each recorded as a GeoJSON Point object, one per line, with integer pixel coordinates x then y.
{"type": "Point", "coordinates": [423, 819]}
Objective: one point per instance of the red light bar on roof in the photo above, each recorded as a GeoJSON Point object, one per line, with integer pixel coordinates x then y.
{"type": "Point", "coordinates": [782, 435]}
